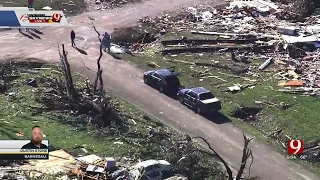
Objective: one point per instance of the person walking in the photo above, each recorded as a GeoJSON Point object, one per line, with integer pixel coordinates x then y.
{"type": "Point", "coordinates": [106, 42]}
{"type": "Point", "coordinates": [73, 36]}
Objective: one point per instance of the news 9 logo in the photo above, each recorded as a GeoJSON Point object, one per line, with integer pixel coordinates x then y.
{"type": "Point", "coordinates": [295, 146]}
{"type": "Point", "coordinates": [56, 17]}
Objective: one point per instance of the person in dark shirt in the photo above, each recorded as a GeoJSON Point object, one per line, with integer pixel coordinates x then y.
{"type": "Point", "coordinates": [106, 42]}
{"type": "Point", "coordinates": [37, 136]}
{"type": "Point", "coordinates": [73, 36]}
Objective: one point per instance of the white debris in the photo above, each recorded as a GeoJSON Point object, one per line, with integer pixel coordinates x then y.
{"type": "Point", "coordinates": [117, 142]}
{"type": "Point", "coordinates": [206, 16]}
{"type": "Point", "coordinates": [47, 8]}
{"type": "Point", "coordinates": [116, 49]}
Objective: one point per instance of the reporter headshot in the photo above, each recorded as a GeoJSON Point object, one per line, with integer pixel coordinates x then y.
{"type": "Point", "coordinates": [37, 136]}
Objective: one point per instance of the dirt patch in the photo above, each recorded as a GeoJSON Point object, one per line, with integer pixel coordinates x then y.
{"type": "Point", "coordinates": [147, 31]}
{"type": "Point", "coordinates": [134, 34]}
{"type": "Point", "coordinates": [246, 113]}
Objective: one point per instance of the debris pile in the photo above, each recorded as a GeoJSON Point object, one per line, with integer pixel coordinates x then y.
{"type": "Point", "coordinates": [262, 38]}
{"type": "Point", "coordinates": [62, 165]}
{"type": "Point", "coordinates": [253, 30]}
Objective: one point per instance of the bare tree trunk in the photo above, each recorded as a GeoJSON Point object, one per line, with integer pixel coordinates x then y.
{"type": "Point", "coordinates": [101, 81]}
{"type": "Point", "coordinates": [225, 164]}
{"type": "Point", "coordinates": [99, 71]}
{"type": "Point", "coordinates": [71, 91]}
{"type": "Point", "coordinates": [246, 153]}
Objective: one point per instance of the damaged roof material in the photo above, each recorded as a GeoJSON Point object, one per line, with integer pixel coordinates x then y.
{"type": "Point", "coordinates": [255, 28]}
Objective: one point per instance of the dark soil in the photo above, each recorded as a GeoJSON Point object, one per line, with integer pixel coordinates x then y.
{"type": "Point", "coordinates": [132, 35]}
{"type": "Point", "coordinates": [148, 31]}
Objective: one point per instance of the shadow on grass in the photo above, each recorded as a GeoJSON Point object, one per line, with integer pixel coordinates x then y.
{"type": "Point", "coordinates": [79, 122]}
{"type": "Point", "coordinates": [8, 131]}
{"type": "Point", "coordinates": [117, 57]}
{"type": "Point", "coordinates": [145, 121]}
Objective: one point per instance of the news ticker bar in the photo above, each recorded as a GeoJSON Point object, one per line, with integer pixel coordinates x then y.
{"type": "Point", "coordinates": [23, 156]}
{"type": "Point", "coordinates": [10, 151]}
{"type": "Point", "coordinates": [17, 144]}
{"type": "Point", "coordinates": [18, 17]}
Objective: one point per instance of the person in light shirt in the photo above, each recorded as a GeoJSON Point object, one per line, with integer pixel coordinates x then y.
{"type": "Point", "coordinates": [37, 136]}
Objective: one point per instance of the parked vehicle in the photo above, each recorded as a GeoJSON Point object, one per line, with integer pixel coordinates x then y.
{"type": "Point", "coordinates": [165, 80]}
{"type": "Point", "coordinates": [152, 169]}
{"type": "Point", "coordinates": [199, 99]}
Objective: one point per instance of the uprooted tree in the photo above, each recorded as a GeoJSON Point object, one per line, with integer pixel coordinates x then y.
{"type": "Point", "coordinates": [64, 96]}
{"type": "Point", "coordinates": [92, 101]}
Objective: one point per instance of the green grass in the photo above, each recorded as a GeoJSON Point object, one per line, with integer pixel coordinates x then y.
{"type": "Point", "coordinates": [61, 130]}
{"type": "Point", "coordinates": [76, 7]}
{"type": "Point", "coordinates": [64, 131]}
{"type": "Point", "coordinates": [298, 122]}
{"type": "Point", "coordinates": [71, 133]}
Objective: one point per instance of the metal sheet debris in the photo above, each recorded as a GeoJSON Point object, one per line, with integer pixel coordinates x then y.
{"type": "Point", "coordinates": [94, 168]}
{"type": "Point", "coordinates": [89, 159]}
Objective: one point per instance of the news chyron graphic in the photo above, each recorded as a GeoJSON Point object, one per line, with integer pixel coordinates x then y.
{"type": "Point", "coordinates": [41, 18]}
{"type": "Point", "coordinates": [11, 150]}
{"type": "Point", "coordinates": [295, 147]}
{"type": "Point", "coordinates": [19, 17]}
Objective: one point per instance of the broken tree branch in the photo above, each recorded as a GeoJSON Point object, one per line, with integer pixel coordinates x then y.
{"type": "Point", "coordinates": [71, 91]}
{"type": "Point", "coordinates": [246, 153]}
{"type": "Point", "coordinates": [95, 29]}
{"type": "Point", "coordinates": [228, 169]}
{"type": "Point", "coordinates": [99, 71]}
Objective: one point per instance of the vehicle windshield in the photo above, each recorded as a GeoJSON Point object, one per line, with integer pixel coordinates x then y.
{"type": "Point", "coordinates": [173, 80]}
{"type": "Point", "coordinates": [205, 96]}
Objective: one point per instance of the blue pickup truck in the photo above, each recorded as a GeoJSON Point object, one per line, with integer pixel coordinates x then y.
{"type": "Point", "coordinates": [199, 99]}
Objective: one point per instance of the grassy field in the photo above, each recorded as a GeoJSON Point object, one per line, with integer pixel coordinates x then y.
{"type": "Point", "coordinates": [299, 121]}
{"type": "Point", "coordinates": [19, 113]}
{"type": "Point", "coordinates": [63, 131]}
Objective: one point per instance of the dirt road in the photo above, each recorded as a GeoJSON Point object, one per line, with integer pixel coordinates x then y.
{"type": "Point", "coordinates": [124, 80]}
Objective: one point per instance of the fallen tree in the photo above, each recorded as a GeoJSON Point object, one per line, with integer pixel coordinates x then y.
{"type": "Point", "coordinates": [62, 95]}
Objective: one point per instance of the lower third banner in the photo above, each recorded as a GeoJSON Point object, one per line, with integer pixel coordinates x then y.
{"type": "Point", "coordinates": [20, 156]}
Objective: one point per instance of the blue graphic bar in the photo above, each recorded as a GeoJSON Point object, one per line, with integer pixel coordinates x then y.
{"type": "Point", "coordinates": [13, 8]}
{"type": "Point", "coordinates": [9, 18]}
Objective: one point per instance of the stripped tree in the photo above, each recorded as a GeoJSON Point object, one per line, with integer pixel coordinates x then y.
{"type": "Point", "coordinates": [246, 154]}
{"type": "Point", "coordinates": [71, 91]}
{"type": "Point", "coordinates": [99, 70]}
